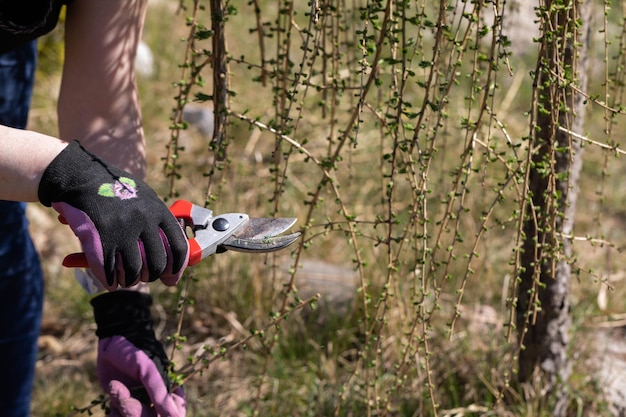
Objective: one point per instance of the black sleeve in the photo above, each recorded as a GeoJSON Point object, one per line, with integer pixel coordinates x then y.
{"type": "Point", "coordinates": [22, 21]}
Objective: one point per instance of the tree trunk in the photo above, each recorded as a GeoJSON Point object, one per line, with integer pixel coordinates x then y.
{"type": "Point", "coordinates": [543, 319]}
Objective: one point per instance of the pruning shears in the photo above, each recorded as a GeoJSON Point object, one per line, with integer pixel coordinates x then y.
{"type": "Point", "coordinates": [231, 231]}
{"type": "Point", "coordinates": [220, 233]}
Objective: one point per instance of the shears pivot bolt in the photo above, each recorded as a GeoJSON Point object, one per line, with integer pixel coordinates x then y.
{"type": "Point", "coordinates": [221, 224]}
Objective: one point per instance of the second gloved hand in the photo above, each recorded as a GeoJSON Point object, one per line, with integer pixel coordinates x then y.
{"type": "Point", "coordinates": [127, 233]}
{"type": "Point", "coordinates": [132, 365]}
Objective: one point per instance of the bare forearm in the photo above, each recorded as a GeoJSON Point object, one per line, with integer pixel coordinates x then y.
{"type": "Point", "coordinates": [24, 156]}
{"type": "Point", "coordinates": [98, 102]}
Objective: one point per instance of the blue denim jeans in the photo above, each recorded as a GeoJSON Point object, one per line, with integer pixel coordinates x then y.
{"type": "Point", "coordinates": [21, 281]}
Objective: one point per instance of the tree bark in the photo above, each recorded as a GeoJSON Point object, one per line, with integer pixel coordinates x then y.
{"type": "Point", "coordinates": [543, 319]}
{"type": "Point", "coordinates": [219, 141]}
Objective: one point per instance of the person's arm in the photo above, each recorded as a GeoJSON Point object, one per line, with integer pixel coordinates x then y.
{"type": "Point", "coordinates": [98, 102]}
{"type": "Point", "coordinates": [24, 156]}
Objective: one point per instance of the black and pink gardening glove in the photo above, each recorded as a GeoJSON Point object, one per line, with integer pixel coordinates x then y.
{"type": "Point", "coordinates": [127, 233]}
{"type": "Point", "coordinates": [132, 364]}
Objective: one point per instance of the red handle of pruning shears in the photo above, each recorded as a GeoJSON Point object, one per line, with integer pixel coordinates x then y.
{"type": "Point", "coordinates": [181, 209]}
{"type": "Point", "coordinates": [75, 260]}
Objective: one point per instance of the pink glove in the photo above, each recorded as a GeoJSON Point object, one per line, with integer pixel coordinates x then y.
{"type": "Point", "coordinates": [132, 364]}
{"type": "Point", "coordinates": [122, 366]}
{"type": "Point", "coordinates": [124, 405]}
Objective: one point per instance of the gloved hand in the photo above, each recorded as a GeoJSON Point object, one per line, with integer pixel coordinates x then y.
{"type": "Point", "coordinates": [127, 233]}
{"type": "Point", "coordinates": [132, 364]}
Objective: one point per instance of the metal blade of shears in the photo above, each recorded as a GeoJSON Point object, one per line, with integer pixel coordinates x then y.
{"type": "Point", "coordinates": [261, 235]}
{"type": "Point", "coordinates": [267, 244]}
{"type": "Point", "coordinates": [257, 228]}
